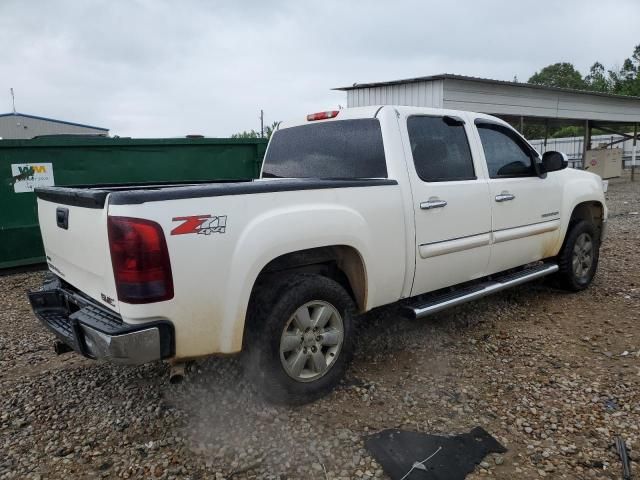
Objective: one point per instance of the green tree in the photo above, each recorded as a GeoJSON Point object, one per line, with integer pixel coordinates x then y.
{"type": "Point", "coordinates": [268, 131]}
{"type": "Point", "coordinates": [569, 131]}
{"type": "Point", "coordinates": [562, 75]}
{"type": "Point", "coordinates": [597, 79]}
{"type": "Point", "coordinates": [532, 131]}
{"type": "Point", "coordinates": [246, 134]}
{"type": "Point", "coordinates": [626, 80]}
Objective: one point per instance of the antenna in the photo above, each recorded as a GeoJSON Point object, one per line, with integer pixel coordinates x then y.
{"type": "Point", "coordinates": [13, 99]}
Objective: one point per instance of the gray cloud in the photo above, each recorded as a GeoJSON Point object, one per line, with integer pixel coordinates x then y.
{"type": "Point", "coordinates": [167, 68]}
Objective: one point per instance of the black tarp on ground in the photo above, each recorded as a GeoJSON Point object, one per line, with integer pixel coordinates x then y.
{"type": "Point", "coordinates": [397, 451]}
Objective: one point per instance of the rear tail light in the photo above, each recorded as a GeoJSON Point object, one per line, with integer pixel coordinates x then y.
{"type": "Point", "coordinates": [140, 260]}
{"type": "Point", "coordinates": [322, 115]}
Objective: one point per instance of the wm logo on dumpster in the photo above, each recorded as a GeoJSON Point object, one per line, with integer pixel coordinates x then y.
{"type": "Point", "coordinates": [27, 176]}
{"type": "Point", "coordinates": [27, 172]}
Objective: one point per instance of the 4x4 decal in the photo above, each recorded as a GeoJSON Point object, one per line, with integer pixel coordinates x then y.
{"type": "Point", "coordinates": [201, 224]}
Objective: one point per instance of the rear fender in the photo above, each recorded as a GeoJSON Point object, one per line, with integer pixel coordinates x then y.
{"type": "Point", "coordinates": [276, 233]}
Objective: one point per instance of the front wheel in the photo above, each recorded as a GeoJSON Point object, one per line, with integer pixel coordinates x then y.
{"type": "Point", "coordinates": [301, 337]}
{"type": "Point", "coordinates": [578, 259]}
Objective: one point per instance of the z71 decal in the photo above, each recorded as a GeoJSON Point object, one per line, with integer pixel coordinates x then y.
{"type": "Point", "coordinates": [201, 224]}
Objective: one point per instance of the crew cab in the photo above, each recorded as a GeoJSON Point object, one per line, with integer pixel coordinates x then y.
{"type": "Point", "coordinates": [355, 209]}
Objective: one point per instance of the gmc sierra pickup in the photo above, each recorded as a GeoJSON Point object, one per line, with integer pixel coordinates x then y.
{"type": "Point", "coordinates": [355, 209]}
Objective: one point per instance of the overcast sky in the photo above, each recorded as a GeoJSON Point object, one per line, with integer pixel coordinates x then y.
{"type": "Point", "coordinates": [155, 68]}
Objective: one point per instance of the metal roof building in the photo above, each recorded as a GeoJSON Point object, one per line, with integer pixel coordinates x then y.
{"type": "Point", "coordinates": [23, 126]}
{"type": "Point", "coordinates": [512, 101]}
{"type": "Point", "coordinates": [497, 97]}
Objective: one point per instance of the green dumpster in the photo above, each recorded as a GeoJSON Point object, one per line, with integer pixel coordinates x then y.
{"type": "Point", "coordinates": [74, 160]}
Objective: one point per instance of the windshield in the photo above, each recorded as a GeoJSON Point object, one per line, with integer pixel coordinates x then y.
{"type": "Point", "coordinates": [339, 149]}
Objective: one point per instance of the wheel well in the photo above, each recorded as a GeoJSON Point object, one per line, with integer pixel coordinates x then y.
{"type": "Point", "coordinates": [338, 262]}
{"type": "Point", "coordinates": [590, 211]}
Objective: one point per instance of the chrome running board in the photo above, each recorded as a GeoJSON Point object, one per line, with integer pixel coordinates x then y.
{"type": "Point", "coordinates": [466, 294]}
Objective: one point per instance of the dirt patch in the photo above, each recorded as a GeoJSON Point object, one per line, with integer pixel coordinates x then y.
{"type": "Point", "coordinates": [553, 376]}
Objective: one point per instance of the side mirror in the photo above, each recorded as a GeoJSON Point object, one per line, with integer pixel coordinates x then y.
{"type": "Point", "coordinates": [554, 161]}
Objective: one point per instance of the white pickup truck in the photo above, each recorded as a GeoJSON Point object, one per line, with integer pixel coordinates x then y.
{"type": "Point", "coordinates": [356, 209]}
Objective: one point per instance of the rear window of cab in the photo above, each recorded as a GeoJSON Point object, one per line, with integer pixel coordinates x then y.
{"type": "Point", "coordinates": [337, 149]}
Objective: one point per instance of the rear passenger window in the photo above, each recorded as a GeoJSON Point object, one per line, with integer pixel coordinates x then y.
{"type": "Point", "coordinates": [506, 153]}
{"type": "Point", "coordinates": [440, 149]}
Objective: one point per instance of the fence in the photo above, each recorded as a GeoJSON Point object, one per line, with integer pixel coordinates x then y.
{"type": "Point", "coordinates": [573, 148]}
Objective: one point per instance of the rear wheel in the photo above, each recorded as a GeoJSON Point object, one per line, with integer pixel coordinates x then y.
{"type": "Point", "coordinates": [300, 337]}
{"type": "Point", "coordinates": [578, 259]}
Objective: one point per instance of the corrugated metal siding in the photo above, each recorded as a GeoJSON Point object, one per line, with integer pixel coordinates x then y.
{"type": "Point", "coordinates": [20, 127]}
{"type": "Point", "coordinates": [517, 100]}
{"type": "Point", "coordinates": [421, 94]}
{"type": "Point", "coordinates": [498, 99]}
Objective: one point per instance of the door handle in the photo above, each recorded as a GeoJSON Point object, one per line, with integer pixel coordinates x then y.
{"type": "Point", "coordinates": [62, 217]}
{"type": "Point", "coordinates": [428, 205]}
{"type": "Point", "coordinates": [504, 197]}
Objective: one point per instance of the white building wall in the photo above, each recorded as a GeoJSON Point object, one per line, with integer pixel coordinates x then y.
{"type": "Point", "coordinates": [419, 94]}
{"type": "Point", "coordinates": [25, 127]}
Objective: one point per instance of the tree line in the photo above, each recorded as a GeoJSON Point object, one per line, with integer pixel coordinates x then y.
{"type": "Point", "coordinates": [624, 80]}
{"type": "Point", "coordinates": [268, 131]}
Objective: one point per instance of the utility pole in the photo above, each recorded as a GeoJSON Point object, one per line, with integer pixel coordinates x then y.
{"type": "Point", "coordinates": [261, 123]}
{"type": "Point", "coordinates": [13, 100]}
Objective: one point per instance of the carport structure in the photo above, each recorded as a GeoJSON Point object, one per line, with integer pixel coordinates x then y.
{"type": "Point", "coordinates": [517, 103]}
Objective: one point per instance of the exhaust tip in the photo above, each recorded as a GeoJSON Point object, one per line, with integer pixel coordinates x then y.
{"type": "Point", "coordinates": [177, 373]}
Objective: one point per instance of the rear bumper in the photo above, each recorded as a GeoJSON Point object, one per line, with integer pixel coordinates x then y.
{"type": "Point", "coordinates": [96, 332]}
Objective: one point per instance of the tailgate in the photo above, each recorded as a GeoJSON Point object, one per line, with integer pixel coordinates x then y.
{"type": "Point", "coordinates": [76, 245]}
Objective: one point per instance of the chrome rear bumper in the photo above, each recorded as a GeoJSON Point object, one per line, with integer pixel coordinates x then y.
{"type": "Point", "coordinates": [96, 332]}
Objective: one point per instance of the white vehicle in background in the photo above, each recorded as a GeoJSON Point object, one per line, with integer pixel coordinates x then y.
{"type": "Point", "coordinates": [356, 209]}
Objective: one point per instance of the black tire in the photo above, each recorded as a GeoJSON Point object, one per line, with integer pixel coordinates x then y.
{"type": "Point", "coordinates": [567, 278]}
{"type": "Point", "coordinates": [271, 310]}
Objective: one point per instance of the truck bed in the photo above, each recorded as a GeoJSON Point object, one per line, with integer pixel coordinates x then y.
{"type": "Point", "coordinates": [209, 267]}
{"type": "Point", "coordinates": [94, 196]}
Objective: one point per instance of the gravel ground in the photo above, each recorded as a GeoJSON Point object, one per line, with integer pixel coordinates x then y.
{"type": "Point", "coordinates": [553, 376]}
